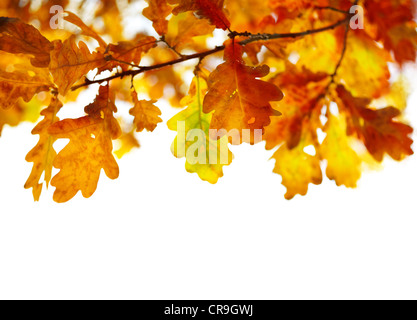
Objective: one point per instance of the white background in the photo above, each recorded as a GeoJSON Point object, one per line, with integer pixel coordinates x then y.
{"type": "Point", "coordinates": [160, 233]}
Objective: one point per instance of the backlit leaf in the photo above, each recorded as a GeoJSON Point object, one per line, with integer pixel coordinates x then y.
{"type": "Point", "coordinates": [191, 124]}
{"type": "Point", "coordinates": [240, 100]}
{"type": "Point", "coordinates": [43, 154]}
{"type": "Point", "coordinates": [210, 9]}
{"type": "Point", "coordinates": [146, 114]}
{"type": "Point", "coordinates": [19, 37]}
{"type": "Point", "coordinates": [70, 63]}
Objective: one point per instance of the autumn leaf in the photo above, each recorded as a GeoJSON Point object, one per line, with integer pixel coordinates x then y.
{"type": "Point", "coordinates": [146, 114]}
{"type": "Point", "coordinates": [343, 163]}
{"type": "Point", "coordinates": [193, 123]}
{"type": "Point", "coordinates": [154, 82]}
{"type": "Point", "coordinates": [127, 52]}
{"type": "Point", "coordinates": [297, 168]}
{"type": "Point", "coordinates": [396, 27]}
{"type": "Point", "coordinates": [378, 129]}
{"type": "Point", "coordinates": [301, 105]}
{"type": "Point", "coordinates": [43, 154]}
{"type": "Point", "coordinates": [157, 12]}
{"type": "Point", "coordinates": [70, 63]}
{"type": "Point", "coordinates": [184, 28]}
{"type": "Point", "coordinates": [11, 117]}
{"type": "Point", "coordinates": [321, 93]}
{"type": "Point", "coordinates": [19, 37]}
{"type": "Point", "coordinates": [85, 30]}
{"type": "Point", "coordinates": [365, 57]}
{"type": "Point", "coordinates": [127, 142]}
{"type": "Point", "coordinates": [21, 84]}
{"type": "Point", "coordinates": [88, 151]}
{"type": "Point", "coordinates": [80, 162]}
{"type": "Point", "coordinates": [240, 100]}
{"type": "Point", "coordinates": [104, 108]}
{"type": "Point", "coordinates": [210, 9]}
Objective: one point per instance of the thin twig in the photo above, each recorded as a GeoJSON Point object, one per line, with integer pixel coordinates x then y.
{"type": "Point", "coordinates": [332, 9]}
{"type": "Point", "coordinates": [201, 55]}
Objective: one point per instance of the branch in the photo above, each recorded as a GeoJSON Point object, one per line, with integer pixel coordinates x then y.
{"type": "Point", "coordinates": [332, 9]}
{"type": "Point", "coordinates": [202, 55]}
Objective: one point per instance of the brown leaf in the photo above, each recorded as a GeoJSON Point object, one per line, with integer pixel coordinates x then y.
{"type": "Point", "coordinates": [19, 37]}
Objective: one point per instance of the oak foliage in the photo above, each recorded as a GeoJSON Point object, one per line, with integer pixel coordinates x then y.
{"type": "Point", "coordinates": [326, 95]}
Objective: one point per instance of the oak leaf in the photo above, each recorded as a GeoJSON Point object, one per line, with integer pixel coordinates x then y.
{"type": "Point", "coordinates": [297, 168]}
{"type": "Point", "coordinates": [378, 129]}
{"type": "Point", "coordinates": [127, 52]}
{"type": "Point", "coordinates": [303, 90]}
{"type": "Point", "coordinates": [19, 37]}
{"type": "Point", "coordinates": [240, 100]}
{"type": "Point", "coordinates": [146, 114]}
{"type": "Point", "coordinates": [184, 29]}
{"type": "Point", "coordinates": [193, 123]}
{"type": "Point", "coordinates": [127, 142]}
{"type": "Point", "coordinates": [85, 30]}
{"type": "Point", "coordinates": [43, 154]}
{"type": "Point", "coordinates": [80, 162]}
{"type": "Point", "coordinates": [21, 84]}
{"type": "Point", "coordinates": [70, 63]}
{"type": "Point", "coordinates": [210, 9]}
{"type": "Point", "coordinates": [89, 149]}
{"type": "Point", "coordinates": [343, 163]}
{"type": "Point", "coordinates": [396, 26]}
{"type": "Point", "coordinates": [11, 117]}
{"type": "Point", "coordinates": [157, 11]}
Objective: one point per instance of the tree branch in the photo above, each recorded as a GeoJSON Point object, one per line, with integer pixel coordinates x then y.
{"type": "Point", "coordinates": [201, 55]}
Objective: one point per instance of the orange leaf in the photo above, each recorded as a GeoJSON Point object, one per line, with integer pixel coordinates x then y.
{"type": "Point", "coordinates": [19, 37]}
{"type": "Point", "coordinates": [240, 100]}
{"type": "Point", "coordinates": [43, 154]}
{"type": "Point", "coordinates": [145, 113]}
{"type": "Point", "coordinates": [157, 11]}
{"type": "Point", "coordinates": [69, 62]}
{"type": "Point", "coordinates": [104, 107]}
{"type": "Point", "coordinates": [21, 84]}
{"type": "Point", "coordinates": [87, 31]}
{"type": "Point", "coordinates": [377, 128]}
{"type": "Point", "coordinates": [80, 162]}
{"type": "Point", "coordinates": [127, 52]}
{"type": "Point", "coordinates": [210, 9]}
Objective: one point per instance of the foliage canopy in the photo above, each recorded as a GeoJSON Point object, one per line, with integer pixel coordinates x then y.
{"type": "Point", "coordinates": [318, 90]}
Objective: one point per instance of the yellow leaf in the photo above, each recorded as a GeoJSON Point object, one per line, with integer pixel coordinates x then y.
{"type": "Point", "coordinates": [43, 154]}
{"type": "Point", "coordinates": [184, 27]}
{"type": "Point", "coordinates": [89, 150]}
{"type": "Point", "coordinates": [11, 117]}
{"type": "Point", "coordinates": [364, 69]}
{"type": "Point", "coordinates": [191, 123]}
{"type": "Point", "coordinates": [343, 164]}
{"type": "Point", "coordinates": [80, 162]}
{"type": "Point", "coordinates": [128, 142]}
{"type": "Point", "coordinates": [297, 168]}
